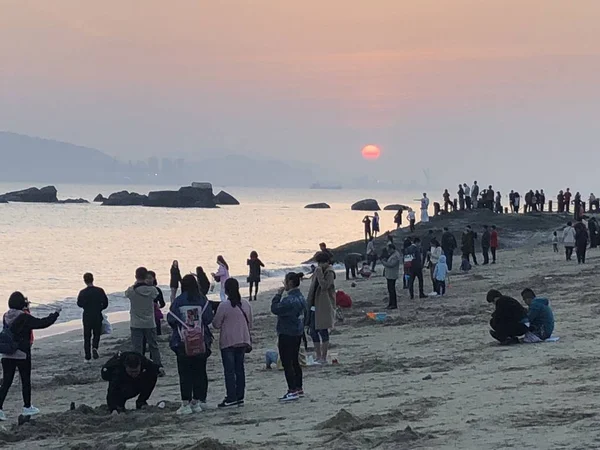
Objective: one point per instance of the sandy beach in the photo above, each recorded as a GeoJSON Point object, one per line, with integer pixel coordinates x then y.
{"type": "Point", "coordinates": [429, 376]}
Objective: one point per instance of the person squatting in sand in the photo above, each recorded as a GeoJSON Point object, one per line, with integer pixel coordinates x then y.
{"type": "Point", "coordinates": [291, 310]}
{"type": "Point", "coordinates": [129, 375]}
{"type": "Point", "coordinates": [19, 325]}
{"type": "Point", "coordinates": [509, 320]}
{"type": "Point", "coordinates": [541, 318]}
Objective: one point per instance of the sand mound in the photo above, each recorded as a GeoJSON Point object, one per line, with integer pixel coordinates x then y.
{"type": "Point", "coordinates": [208, 444]}
{"type": "Point", "coordinates": [342, 421]}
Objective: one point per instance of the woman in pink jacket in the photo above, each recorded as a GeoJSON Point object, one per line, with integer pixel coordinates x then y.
{"type": "Point", "coordinates": [234, 319]}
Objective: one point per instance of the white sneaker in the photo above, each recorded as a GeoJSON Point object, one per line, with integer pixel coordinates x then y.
{"type": "Point", "coordinates": [196, 407]}
{"type": "Point", "coordinates": [31, 411]}
{"type": "Point", "coordinates": [2, 416]}
{"type": "Point", "coordinates": [205, 406]}
{"type": "Point", "coordinates": [185, 410]}
{"type": "Point", "coordinates": [289, 397]}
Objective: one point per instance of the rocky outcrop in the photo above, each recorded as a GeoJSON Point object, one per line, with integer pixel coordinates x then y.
{"type": "Point", "coordinates": [72, 201]}
{"type": "Point", "coordinates": [125, 198]}
{"type": "Point", "coordinates": [396, 207]}
{"type": "Point", "coordinates": [368, 204]}
{"type": "Point", "coordinates": [100, 198]}
{"type": "Point", "coordinates": [32, 195]}
{"type": "Point", "coordinates": [223, 198]}
{"type": "Point", "coordinates": [185, 197]}
{"type": "Point", "coordinates": [317, 206]}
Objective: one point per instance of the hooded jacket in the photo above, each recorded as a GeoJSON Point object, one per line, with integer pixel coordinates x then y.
{"type": "Point", "coordinates": [541, 318]}
{"type": "Point", "coordinates": [391, 266]}
{"type": "Point", "coordinates": [569, 236]}
{"type": "Point", "coordinates": [21, 324]}
{"type": "Point", "coordinates": [321, 296]}
{"type": "Point", "coordinates": [188, 310]}
{"type": "Point", "coordinates": [141, 313]}
{"type": "Point", "coordinates": [441, 269]}
{"type": "Point", "coordinates": [291, 312]}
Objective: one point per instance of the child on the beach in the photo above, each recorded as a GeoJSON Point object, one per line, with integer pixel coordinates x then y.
{"type": "Point", "coordinates": [365, 271]}
{"type": "Point", "coordinates": [555, 242]}
{"type": "Point", "coordinates": [440, 273]}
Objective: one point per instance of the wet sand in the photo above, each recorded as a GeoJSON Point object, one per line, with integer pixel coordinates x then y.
{"type": "Point", "coordinates": [429, 377]}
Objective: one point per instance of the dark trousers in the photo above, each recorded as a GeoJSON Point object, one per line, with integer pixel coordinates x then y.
{"type": "Point", "coordinates": [235, 375]}
{"type": "Point", "coordinates": [449, 255]}
{"type": "Point", "coordinates": [468, 202]}
{"type": "Point", "coordinates": [351, 269]}
{"type": "Point", "coordinates": [440, 287]}
{"type": "Point", "coordinates": [466, 256]}
{"type": "Point", "coordinates": [493, 254]}
{"type": "Point", "coordinates": [507, 329]}
{"type": "Point", "coordinates": [124, 388]}
{"type": "Point", "coordinates": [416, 274]}
{"type": "Point", "coordinates": [368, 234]}
{"type": "Point", "coordinates": [412, 225]}
{"type": "Point", "coordinates": [568, 253]}
{"type": "Point", "coordinates": [581, 249]}
{"type": "Point", "coordinates": [193, 379]}
{"type": "Point", "coordinates": [486, 254]}
{"type": "Point", "coordinates": [91, 327]}
{"type": "Point", "coordinates": [289, 352]}
{"type": "Point", "coordinates": [9, 367]}
{"type": "Point", "coordinates": [373, 260]}
{"type": "Point", "coordinates": [391, 285]}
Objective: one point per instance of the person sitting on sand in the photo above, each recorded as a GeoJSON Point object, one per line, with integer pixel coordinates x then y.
{"type": "Point", "coordinates": [365, 271]}
{"type": "Point", "coordinates": [509, 319]}
{"type": "Point", "coordinates": [129, 375]}
{"type": "Point", "coordinates": [351, 262]}
{"type": "Point", "coordinates": [93, 301]}
{"type": "Point", "coordinates": [291, 311]}
{"type": "Point", "coordinates": [541, 318]}
{"type": "Point", "coordinates": [20, 324]}
{"type": "Point", "coordinates": [321, 301]}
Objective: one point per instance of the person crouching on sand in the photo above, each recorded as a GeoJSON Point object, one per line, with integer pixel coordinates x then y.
{"type": "Point", "coordinates": [291, 310]}
{"type": "Point", "coordinates": [509, 319]}
{"type": "Point", "coordinates": [321, 301]}
{"type": "Point", "coordinates": [541, 318]}
{"type": "Point", "coordinates": [21, 324]}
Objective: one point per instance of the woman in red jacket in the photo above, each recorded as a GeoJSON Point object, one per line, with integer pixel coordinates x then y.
{"type": "Point", "coordinates": [494, 243]}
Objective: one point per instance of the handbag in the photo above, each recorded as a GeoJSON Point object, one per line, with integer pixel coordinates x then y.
{"type": "Point", "coordinates": [248, 347]}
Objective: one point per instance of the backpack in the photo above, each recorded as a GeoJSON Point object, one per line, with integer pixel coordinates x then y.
{"type": "Point", "coordinates": [8, 345]}
{"type": "Point", "coordinates": [192, 337]}
{"type": "Point", "coordinates": [408, 260]}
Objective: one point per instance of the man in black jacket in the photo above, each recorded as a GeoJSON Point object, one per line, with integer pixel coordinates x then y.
{"type": "Point", "coordinates": [93, 300]}
{"type": "Point", "coordinates": [448, 246]}
{"type": "Point", "coordinates": [485, 245]}
{"type": "Point", "coordinates": [468, 244]}
{"type": "Point", "coordinates": [413, 264]}
{"type": "Point", "coordinates": [509, 319]}
{"type": "Point", "coordinates": [129, 375]}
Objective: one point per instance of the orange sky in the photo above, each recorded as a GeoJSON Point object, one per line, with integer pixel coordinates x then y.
{"type": "Point", "coordinates": [338, 65]}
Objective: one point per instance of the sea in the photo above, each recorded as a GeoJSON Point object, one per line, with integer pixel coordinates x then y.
{"type": "Point", "coordinates": [46, 248]}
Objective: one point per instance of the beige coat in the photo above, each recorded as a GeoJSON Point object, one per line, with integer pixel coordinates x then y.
{"type": "Point", "coordinates": [321, 295]}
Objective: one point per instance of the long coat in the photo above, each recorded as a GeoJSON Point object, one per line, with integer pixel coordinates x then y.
{"type": "Point", "coordinates": [321, 295]}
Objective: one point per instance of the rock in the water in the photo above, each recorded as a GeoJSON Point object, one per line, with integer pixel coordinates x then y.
{"type": "Point", "coordinates": [223, 198]}
{"type": "Point", "coordinates": [32, 195]}
{"type": "Point", "coordinates": [366, 205]}
{"type": "Point", "coordinates": [186, 197]}
{"type": "Point", "coordinates": [396, 207]}
{"type": "Point", "coordinates": [73, 201]}
{"type": "Point", "coordinates": [125, 198]}
{"type": "Point", "coordinates": [317, 206]}
{"type": "Point", "coordinates": [100, 198]}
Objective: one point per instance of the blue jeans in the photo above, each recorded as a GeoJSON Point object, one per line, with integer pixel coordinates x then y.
{"type": "Point", "coordinates": [235, 376]}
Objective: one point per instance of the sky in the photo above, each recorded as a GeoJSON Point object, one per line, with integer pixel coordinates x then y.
{"type": "Point", "coordinates": [497, 88]}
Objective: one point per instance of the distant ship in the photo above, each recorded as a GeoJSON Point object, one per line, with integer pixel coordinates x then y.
{"type": "Point", "coordinates": [325, 186]}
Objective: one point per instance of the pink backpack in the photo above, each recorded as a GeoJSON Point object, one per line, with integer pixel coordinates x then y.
{"type": "Point", "coordinates": [192, 337]}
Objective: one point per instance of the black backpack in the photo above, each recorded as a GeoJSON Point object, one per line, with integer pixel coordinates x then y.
{"type": "Point", "coordinates": [8, 344]}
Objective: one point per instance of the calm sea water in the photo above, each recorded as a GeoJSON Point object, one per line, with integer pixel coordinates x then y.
{"type": "Point", "coordinates": [46, 248]}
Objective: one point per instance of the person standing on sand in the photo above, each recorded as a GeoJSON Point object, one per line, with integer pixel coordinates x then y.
{"type": "Point", "coordinates": [439, 276]}
{"type": "Point", "coordinates": [498, 203]}
{"type": "Point", "coordinates": [371, 254]}
{"type": "Point", "coordinates": [577, 206]}
{"type": "Point", "coordinates": [21, 325]}
{"type": "Point", "coordinates": [475, 195]}
{"type": "Point", "coordinates": [175, 279]}
{"type": "Point", "coordinates": [593, 229]}
{"type": "Point", "coordinates": [254, 277]}
{"type": "Point", "coordinates": [435, 252]}
{"type": "Point", "coordinates": [568, 239]}
{"type": "Point", "coordinates": [542, 200]}
{"type": "Point", "coordinates": [448, 246]}
{"type": "Point", "coordinates": [555, 242]}
{"type": "Point", "coordinates": [351, 262]}
{"type": "Point", "coordinates": [291, 311]}
{"type": "Point", "coordinates": [447, 203]}
{"type": "Point", "coordinates": [567, 197]}
{"type": "Point", "coordinates": [411, 219]}
{"type": "Point", "coordinates": [328, 252]}
{"type": "Point", "coordinates": [193, 309]}
{"type": "Point", "coordinates": [413, 263]}
{"type": "Point", "coordinates": [468, 244]}
{"type": "Point", "coordinates": [375, 224]}
{"type": "Point", "coordinates": [398, 219]}
{"type": "Point", "coordinates": [468, 201]}
{"type": "Point", "coordinates": [461, 197]}
{"type": "Point", "coordinates": [511, 201]}
{"type": "Point", "coordinates": [141, 316]}
{"type": "Point", "coordinates": [93, 301]}
{"type": "Point", "coordinates": [321, 301]}
{"type": "Point", "coordinates": [494, 243]}
{"type": "Point", "coordinates": [560, 202]}
{"type": "Point", "coordinates": [517, 202]}
{"type": "Point", "coordinates": [485, 245]}
{"type": "Point", "coordinates": [203, 282]}
{"type": "Point", "coordinates": [391, 272]}
{"type": "Point", "coordinates": [367, 223]}
{"type": "Point", "coordinates": [424, 208]}
{"type": "Point", "coordinates": [509, 319]}
{"type": "Point", "coordinates": [159, 302]}
{"type": "Point", "coordinates": [221, 276]}
{"type": "Point", "coordinates": [581, 240]}
{"type": "Point", "coordinates": [234, 319]}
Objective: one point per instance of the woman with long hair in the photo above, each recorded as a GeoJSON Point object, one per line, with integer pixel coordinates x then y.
{"type": "Point", "coordinates": [193, 309]}
{"type": "Point", "coordinates": [175, 279]}
{"type": "Point", "coordinates": [222, 275]}
{"type": "Point", "coordinates": [254, 276]}
{"type": "Point", "coordinates": [203, 282]}
{"type": "Point", "coordinates": [21, 324]}
{"type": "Point", "coordinates": [234, 319]}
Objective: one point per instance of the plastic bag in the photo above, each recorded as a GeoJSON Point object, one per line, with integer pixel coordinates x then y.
{"type": "Point", "coordinates": [106, 326]}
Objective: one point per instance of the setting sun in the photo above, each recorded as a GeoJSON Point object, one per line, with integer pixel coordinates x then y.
{"type": "Point", "coordinates": [371, 152]}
